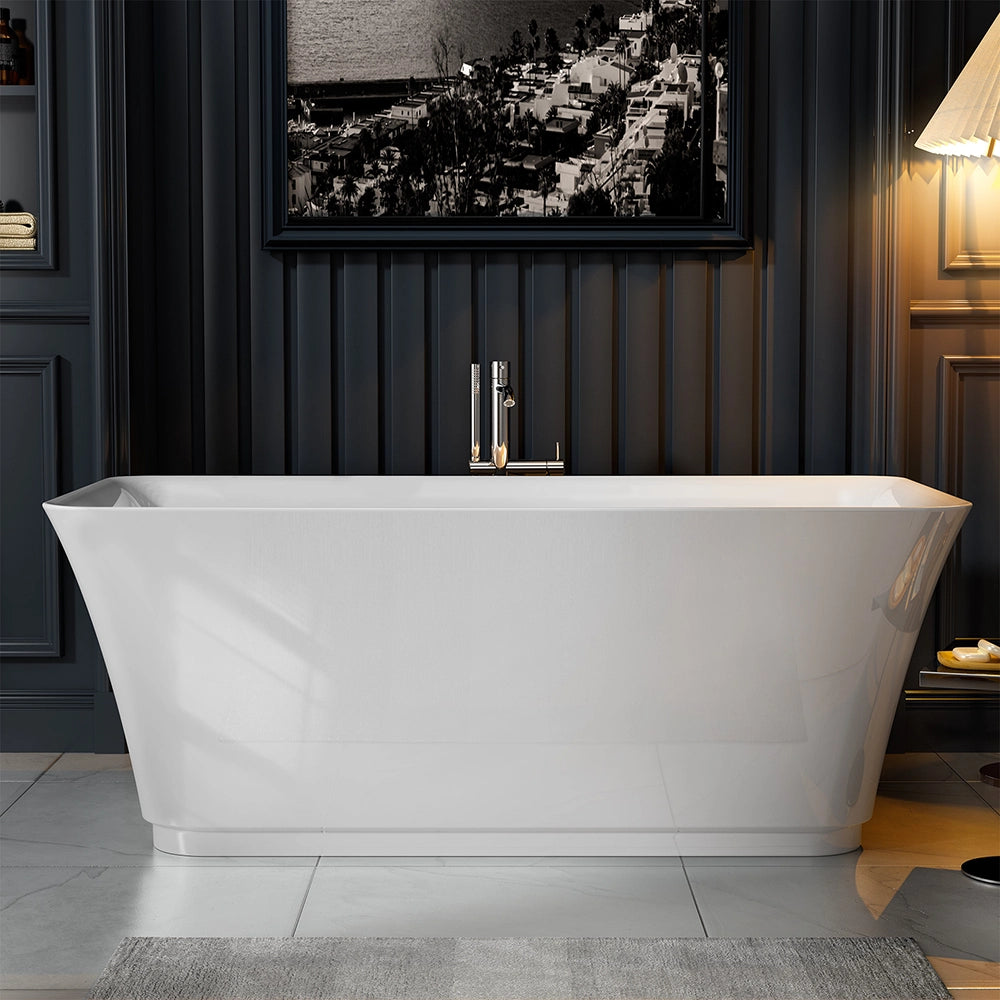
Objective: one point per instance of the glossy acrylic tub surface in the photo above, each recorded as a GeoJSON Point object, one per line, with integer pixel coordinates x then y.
{"type": "Point", "coordinates": [491, 666]}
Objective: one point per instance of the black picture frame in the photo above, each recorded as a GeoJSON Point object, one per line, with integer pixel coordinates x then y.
{"type": "Point", "coordinates": [281, 232]}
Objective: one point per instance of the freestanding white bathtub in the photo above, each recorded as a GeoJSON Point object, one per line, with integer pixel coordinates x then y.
{"type": "Point", "coordinates": [507, 666]}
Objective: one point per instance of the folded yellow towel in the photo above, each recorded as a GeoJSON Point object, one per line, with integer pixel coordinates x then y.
{"type": "Point", "coordinates": [17, 242]}
{"type": "Point", "coordinates": [17, 224]}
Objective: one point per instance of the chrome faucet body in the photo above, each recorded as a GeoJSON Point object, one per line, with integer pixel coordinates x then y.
{"type": "Point", "coordinates": [501, 402]}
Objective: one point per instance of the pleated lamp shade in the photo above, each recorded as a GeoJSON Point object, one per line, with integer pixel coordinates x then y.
{"type": "Point", "coordinates": [968, 121]}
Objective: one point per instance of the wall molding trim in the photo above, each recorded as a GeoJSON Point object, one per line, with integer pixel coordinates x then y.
{"type": "Point", "coordinates": [953, 370]}
{"type": "Point", "coordinates": [924, 311]}
{"type": "Point", "coordinates": [46, 700]}
{"type": "Point", "coordinates": [48, 643]}
{"type": "Point", "coordinates": [954, 244]}
{"type": "Point", "coordinates": [53, 721]}
{"type": "Point", "coordinates": [46, 312]}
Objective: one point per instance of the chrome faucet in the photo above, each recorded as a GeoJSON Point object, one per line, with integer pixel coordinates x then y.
{"type": "Point", "coordinates": [501, 402]}
{"type": "Point", "coordinates": [502, 397]}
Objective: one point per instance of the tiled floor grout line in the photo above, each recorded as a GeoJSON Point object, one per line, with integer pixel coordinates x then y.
{"type": "Point", "coordinates": [951, 768]}
{"type": "Point", "coordinates": [974, 785]}
{"type": "Point", "coordinates": [983, 797]}
{"type": "Point", "coordinates": [52, 765]}
{"type": "Point", "coordinates": [14, 801]}
{"type": "Point", "coordinates": [31, 783]}
{"type": "Point", "coordinates": [694, 898]}
{"type": "Point", "coordinates": [305, 895]}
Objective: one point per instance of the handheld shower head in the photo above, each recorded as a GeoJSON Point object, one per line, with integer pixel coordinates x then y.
{"type": "Point", "coordinates": [474, 449]}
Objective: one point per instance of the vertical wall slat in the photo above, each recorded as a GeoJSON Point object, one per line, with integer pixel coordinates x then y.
{"type": "Point", "coordinates": [763, 417]}
{"type": "Point", "coordinates": [784, 226]}
{"type": "Point", "coordinates": [357, 371]}
{"type": "Point", "coordinates": [593, 440]}
{"type": "Point", "coordinates": [196, 248]}
{"type": "Point", "coordinates": [405, 391]}
{"type": "Point", "coordinates": [666, 375]}
{"type": "Point", "coordinates": [569, 452]}
{"type": "Point", "coordinates": [265, 322]}
{"type": "Point", "coordinates": [176, 289]}
{"type": "Point", "coordinates": [733, 405]}
{"type": "Point", "coordinates": [545, 367]}
{"type": "Point", "coordinates": [432, 363]}
{"type": "Point", "coordinates": [500, 305]}
{"type": "Point", "coordinates": [689, 370]}
{"type": "Point", "coordinates": [453, 358]}
{"type": "Point", "coordinates": [824, 376]}
{"type": "Point", "coordinates": [619, 361]}
{"type": "Point", "coordinates": [243, 159]}
{"type": "Point", "coordinates": [314, 365]}
{"type": "Point", "coordinates": [218, 169]}
{"type": "Point", "coordinates": [642, 364]}
{"type": "Point", "coordinates": [338, 294]}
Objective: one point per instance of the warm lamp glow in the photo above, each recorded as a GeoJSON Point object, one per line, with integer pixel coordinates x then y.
{"type": "Point", "coordinates": [967, 123]}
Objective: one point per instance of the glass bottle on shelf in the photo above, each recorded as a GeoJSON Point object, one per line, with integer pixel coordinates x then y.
{"type": "Point", "coordinates": [25, 54]}
{"type": "Point", "coordinates": [9, 47]}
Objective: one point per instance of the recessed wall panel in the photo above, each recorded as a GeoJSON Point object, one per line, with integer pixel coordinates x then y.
{"type": "Point", "coordinates": [29, 572]}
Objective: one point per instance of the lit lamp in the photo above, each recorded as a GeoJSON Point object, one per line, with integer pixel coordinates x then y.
{"type": "Point", "coordinates": [967, 123]}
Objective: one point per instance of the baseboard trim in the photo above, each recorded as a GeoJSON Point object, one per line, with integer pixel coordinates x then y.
{"type": "Point", "coordinates": [36, 722]}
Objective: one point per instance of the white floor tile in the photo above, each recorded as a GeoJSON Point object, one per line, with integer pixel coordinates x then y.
{"type": "Point", "coordinates": [916, 767]}
{"type": "Point", "coordinates": [500, 902]}
{"type": "Point", "coordinates": [66, 922]}
{"type": "Point", "coordinates": [72, 766]}
{"type": "Point", "coordinates": [11, 791]}
{"type": "Point", "coordinates": [948, 914]}
{"type": "Point", "coordinates": [93, 819]}
{"type": "Point", "coordinates": [967, 765]}
{"type": "Point", "coordinates": [990, 794]}
{"type": "Point", "coordinates": [929, 823]}
{"type": "Point", "coordinates": [24, 766]}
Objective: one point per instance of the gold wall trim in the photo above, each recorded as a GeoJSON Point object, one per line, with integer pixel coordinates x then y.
{"type": "Point", "coordinates": [954, 310]}
{"type": "Point", "coordinates": [957, 245]}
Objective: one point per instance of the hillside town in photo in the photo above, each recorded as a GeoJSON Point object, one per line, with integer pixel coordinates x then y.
{"type": "Point", "coordinates": [616, 121]}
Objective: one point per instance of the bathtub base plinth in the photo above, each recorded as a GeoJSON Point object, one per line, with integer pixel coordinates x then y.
{"type": "Point", "coordinates": [488, 843]}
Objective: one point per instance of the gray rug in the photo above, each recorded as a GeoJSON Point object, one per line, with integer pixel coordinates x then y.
{"type": "Point", "coordinates": [148, 968]}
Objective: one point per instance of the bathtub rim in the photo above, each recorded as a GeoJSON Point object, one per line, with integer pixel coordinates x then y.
{"type": "Point", "coordinates": [518, 494]}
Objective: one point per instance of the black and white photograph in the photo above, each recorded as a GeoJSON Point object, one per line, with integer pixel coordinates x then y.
{"type": "Point", "coordinates": [503, 109]}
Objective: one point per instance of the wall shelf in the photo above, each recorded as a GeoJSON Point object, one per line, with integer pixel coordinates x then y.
{"type": "Point", "coordinates": [27, 177]}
